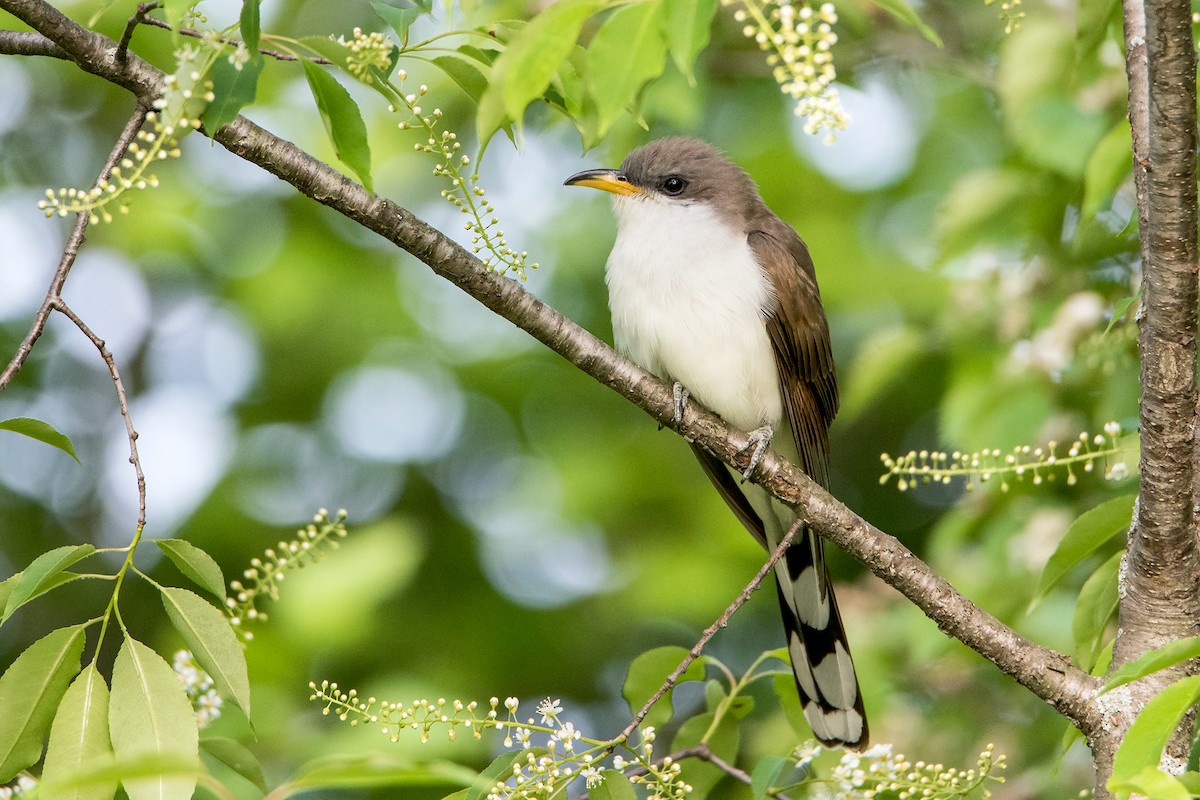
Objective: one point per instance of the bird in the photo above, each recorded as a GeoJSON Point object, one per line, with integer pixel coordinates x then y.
{"type": "Point", "coordinates": [715, 294]}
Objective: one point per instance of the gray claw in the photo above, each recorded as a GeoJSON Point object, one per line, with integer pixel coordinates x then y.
{"type": "Point", "coordinates": [760, 440]}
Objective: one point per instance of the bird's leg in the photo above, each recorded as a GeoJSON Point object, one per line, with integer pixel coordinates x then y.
{"type": "Point", "coordinates": [760, 440]}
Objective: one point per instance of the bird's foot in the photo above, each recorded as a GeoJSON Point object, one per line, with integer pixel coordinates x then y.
{"type": "Point", "coordinates": [759, 442]}
{"type": "Point", "coordinates": [681, 400]}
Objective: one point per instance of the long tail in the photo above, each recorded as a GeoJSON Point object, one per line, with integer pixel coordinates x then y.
{"type": "Point", "coordinates": [817, 645]}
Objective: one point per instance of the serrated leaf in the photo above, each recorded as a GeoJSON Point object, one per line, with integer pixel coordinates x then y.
{"type": "Point", "coordinates": [627, 51]}
{"type": "Point", "coordinates": [1147, 736]}
{"type": "Point", "coordinates": [647, 673]}
{"type": "Point", "coordinates": [213, 643]}
{"type": "Point", "coordinates": [764, 775]}
{"type": "Point", "coordinates": [44, 432]}
{"type": "Point", "coordinates": [1086, 534]}
{"type": "Point", "coordinates": [79, 738]}
{"type": "Point", "coordinates": [1094, 608]}
{"type": "Point", "coordinates": [687, 25]}
{"type": "Point", "coordinates": [251, 27]}
{"type": "Point", "coordinates": [905, 13]}
{"type": "Point", "coordinates": [1150, 782]}
{"type": "Point", "coordinates": [150, 717]}
{"type": "Point", "coordinates": [343, 121]}
{"type": "Point", "coordinates": [237, 757]}
{"type": "Point", "coordinates": [194, 563]}
{"type": "Point", "coordinates": [39, 577]}
{"type": "Point", "coordinates": [233, 89]}
{"type": "Point", "coordinates": [789, 703]}
{"type": "Point", "coordinates": [30, 692]}
{"type": "Point", "coordinates": [526, 67]}
{"type": "Point", "coordinates": [613, 786]}
{"type": "Point", "coordinates": [1107, 167]}
{"type": "Point", "coordinates": [46, 585]}
{"type": "Point", "coordinates": [1160, 658]}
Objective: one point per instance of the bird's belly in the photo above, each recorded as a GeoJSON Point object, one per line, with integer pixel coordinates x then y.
{"type": "Point", "coordinates": [719, 351]}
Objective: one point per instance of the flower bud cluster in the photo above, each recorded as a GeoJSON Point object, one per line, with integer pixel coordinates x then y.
{"type": "Point", "coordinates": [368, 51]}
{"type": "Point", "coordinates": [25, 784]}
{"type": "Point", "coordinates": [265, 574]}
{"type": "Point", "coordinates": [464, 193]}
{"type": "Point", "coordinates": [1011, 12]}
{"type": "Point", "coordinates": [798, 39]}
{"type": "Point", "coordinates": [1036, 463]}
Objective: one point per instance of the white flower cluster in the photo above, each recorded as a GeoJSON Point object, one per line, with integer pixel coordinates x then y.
{"type": "Point", "coordinates": [799, 39]}
{"type": "Point", "coordinates": [878, 771]}
{"type": "Point", "coordinates": [199, 687]}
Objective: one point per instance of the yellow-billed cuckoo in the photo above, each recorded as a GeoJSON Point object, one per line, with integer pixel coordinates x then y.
{"type": "Point", "coordinates": [709, 289]}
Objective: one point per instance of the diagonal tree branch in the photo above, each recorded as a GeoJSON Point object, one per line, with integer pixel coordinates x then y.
{"type": "Point", "coordinates": [1046, 673]}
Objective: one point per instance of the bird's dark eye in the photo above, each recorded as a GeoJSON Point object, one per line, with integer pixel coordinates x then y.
{"type": "Point", "coordinates": [673, 185]}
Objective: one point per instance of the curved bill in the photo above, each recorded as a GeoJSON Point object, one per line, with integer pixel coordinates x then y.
{"type": "Point", "coordinates": [608, 180]}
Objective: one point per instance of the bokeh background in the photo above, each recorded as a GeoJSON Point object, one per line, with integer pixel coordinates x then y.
{"type": "Point", "coordinates": [517, 529]}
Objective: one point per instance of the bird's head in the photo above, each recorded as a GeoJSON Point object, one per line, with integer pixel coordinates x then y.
{"type": "Point", "coordinates": [676, 170]}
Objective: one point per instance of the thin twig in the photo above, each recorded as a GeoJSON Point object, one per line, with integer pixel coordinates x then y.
{"type": "Point", "coordinates": [195, 34]}
{"type": "Point", "coordinates": [711, 630]}
{"type": "Point", "coordinates": [137, 19]}
{"type": "Point", "coordinates": [115, 374]}
{"type": "Point", "coordinates": [70, 253]}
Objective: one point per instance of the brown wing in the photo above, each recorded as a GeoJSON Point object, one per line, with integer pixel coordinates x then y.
{"type": "Point", "coordinates": [800, 336]}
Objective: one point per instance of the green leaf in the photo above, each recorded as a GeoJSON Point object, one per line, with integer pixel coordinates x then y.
{"type": "Point", "coordinates": [1150, 782]}
{"type": "Point", "coordinates": [687, 24]}
{"type": "Point", "coordinates": [527, 65]}
{"type": "Point", "coordinates": [1094, 608]}
{"type": "Point", "coordinates": [53, 582]}
{"type": "Point", "coordinates": [646, 675]}
{"type": "Point", "coordinates": [343, 121]}
{"type": "Point", "coordinates": [79, 738]}
{"type": "Point", "coordinates": [30, 692]}
{"type": "Point", "coordinates": [44, 432]}
{"type": "Point", "coordinates": [470, 74]}
{"type": "Point", "coordinates": [789, 703]}
{"type": "Point", "coordinates": [1143, 744]}
{"type": "Point", "coordinates": [39, 577]}
{"type": "Point", "coordinates": [1092, 19]}
{"type": "Point", "coordinates": [627, 51]}
{"type": "Point", "coordinates": [329, 48]}
{"type": "Point", "coordinates": [905, 13]}
{"type": "Point", "coordinates": [400, 18]}
{"type": "Point", "coordinates": [1168, 655]}
{"type": "Point", "coordinates": [501, 766]}
{"type": "Point", "coordinates": [1121, 306]}
{"type": "Point", "coordinates": [1086, 534]}
{"type": "Point", "coordinates": [236, 756]}
{"type": "Point", "coordinates": [233, 89]}
{"type": "Point", "coordinates": [766, 772]}
{"type": "Point", "coordinates": [378, 770]}
{"type": "Point", "coordinates": [1107, 168]}
{"type": "Point", "coordinates": [150, 716]}
{"type": "Point", "coordinates": [213, 643]}
{"type": "Point", "coordinates": [613, 786]}
{"type": "Point", "coordinates": [197, 565]}
{"type": "Point", "coordinates": [251, 27]}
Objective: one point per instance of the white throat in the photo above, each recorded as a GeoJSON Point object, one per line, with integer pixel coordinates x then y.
{"type": "Point", "coordinates": [688, 300]}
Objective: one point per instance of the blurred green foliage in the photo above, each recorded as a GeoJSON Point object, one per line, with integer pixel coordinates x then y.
{"type": "Point", "coordinates": [515, 528]}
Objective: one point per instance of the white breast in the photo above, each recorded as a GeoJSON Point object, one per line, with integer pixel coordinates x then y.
{"type": "Point", "coordinates": [686, 297]}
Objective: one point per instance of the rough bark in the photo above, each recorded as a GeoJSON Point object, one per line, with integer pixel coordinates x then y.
{"type": "Point", "coordinates": [1160, 596]}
